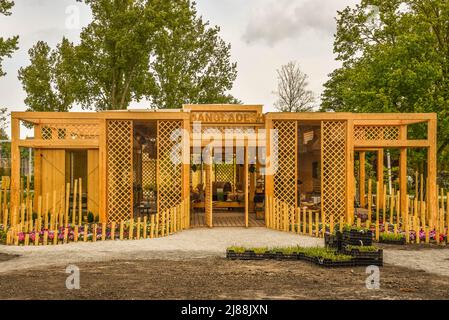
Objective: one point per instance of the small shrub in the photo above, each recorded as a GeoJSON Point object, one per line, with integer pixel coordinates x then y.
{"type": "Point", "coordinates": [391, 236]}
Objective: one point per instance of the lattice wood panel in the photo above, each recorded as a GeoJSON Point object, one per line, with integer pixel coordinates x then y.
{"type": "Point", "coordinates": [285, 175]}
{"type": "Point", "coordinates": [88, 131]}
{"type": "Point", "coordinates": [333, 171]}
{"type": "Point", "coordinates": [120, 169]}
{"type": "Point", "coordinates": [224, 172]}
{"type": "Point", "coordinates": [363, 133]}
{"type": "Point", "coordinates": [208, 213]}
{"type": "Point", "coordinates": [148, 171]}
{"type": "Point", "coordinates": [169, 168]}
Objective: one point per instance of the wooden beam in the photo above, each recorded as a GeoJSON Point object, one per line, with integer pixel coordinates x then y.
{"type": "Point", "coordinates": [432, 169]}
{"type": "Point", "coordinates": [403, 171]}
{"type": "Point", "coordinates": [15, 164]}
{"type": "Point", "coordinates": [59, 144]}
{"type": "Point", "coordinates": [350, 185]}
{"type": "Point", "coordinates": [380, 175]}
{"type": "Point", "coordinates": [393, 144]}
{"type": "Point", "coordinates": [102, 170]}
{"type": "Point", "coordinates": [346, 116]}
{"type": "Point", "coordinates": [362, 191]}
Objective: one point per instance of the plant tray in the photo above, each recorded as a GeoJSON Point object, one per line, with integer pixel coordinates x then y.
{"type": "Point", "coordinates": [356, 238]}
{"type": "Point", "coordinates": [398, 242]}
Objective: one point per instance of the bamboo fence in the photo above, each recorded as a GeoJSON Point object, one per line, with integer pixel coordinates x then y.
{"type": "Point", "coordinates": [57, 221]}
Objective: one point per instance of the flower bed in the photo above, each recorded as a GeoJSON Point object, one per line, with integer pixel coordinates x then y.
{"type": "Point", "coordinates": [325, 257]}
{"type": "Point", "coordinates": [357, 237]}
{"type": "Point", "coordinates": [365, 255]}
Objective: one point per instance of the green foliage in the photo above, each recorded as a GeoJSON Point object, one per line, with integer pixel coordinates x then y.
{"type": "Point", "coordinates": [391, 236]}
{"type": "Point", "coordinates": [393, 60]}
{"type": "Point", "coordinates": [7, 46]}
{"type": "Point", "coordinates": [237, 249]}
{"type": "Point", "coordinates": [362, 248]}
{"type": "Point", "coordinates": [90, 217]}
{"type": "Point", "coordinates": [133, 49]}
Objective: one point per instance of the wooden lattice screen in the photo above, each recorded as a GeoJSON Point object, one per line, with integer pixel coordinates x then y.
{"type": "Point", "coordinates": [68, 131]}
{"type": "Point", "coordinates": [148, 172]}
{"type": "Point", "coordinates": [363, 133]}
{"type": "Point", "coordinates": [333, 173]}
{"type": "Point", "coordinates": [120, 170]}
{"type": "Point", "coordinates": [224, 172]}
{"type": "Point", "coordinates": [169, 168]}
{"type": "Point", "coordinates": [285, 185]}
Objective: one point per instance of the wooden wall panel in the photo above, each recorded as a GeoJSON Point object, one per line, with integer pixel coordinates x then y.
{"type": "Point", "coordinates": [53, 176]}
{"type": "Point", "coordinates": [93, 181]}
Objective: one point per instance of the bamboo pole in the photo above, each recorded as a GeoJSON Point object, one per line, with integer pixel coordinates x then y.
{"type": "Point", "coordinates": [317, 225]}
{"type": "Point", "coordinates": [370, 199]}
{"type": "Point", "coordinates": [384, 206]}
{"type": "Point", "coordinates": [310, 223]}
{"type": "Point", "coordinates": [145, 225]}
{"type": "Point", "coordinates": [121, 230]}
{"type": "Point", "coordinates": [131, 230]}
{"type": "Point", "coordinates": [55, 237]}
{"type": "Point", "coordinates": [391, 206]}
{"type": "Point", "coordinates": [45, 241]}
{"type": "Point", "coordinates": [304, 220]}
{"type": "Point", "coordinates": [113, 230]}
{"type": "Point", "coordinates": [298, 226]}
{"type": "Point", "coordinates": [86, 232]}
{"type": "Point", "coordinates": [67, 205]}
{"type": "Point", "coordinates": [75, 234]}
{"type": "Point", "coordinates": [75, 187]}
{"type": "Point", "coordinates": [80, 201]}
{"type": "Point", "coordinates": [39, 212]}
{"type": "Point", "coordinates": [152, 227]}
{"type": "Point", "coordinates": [138, 229]}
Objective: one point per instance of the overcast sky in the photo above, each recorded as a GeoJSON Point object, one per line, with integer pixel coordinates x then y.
{"type": "Point", "coordinates": [264, 34]}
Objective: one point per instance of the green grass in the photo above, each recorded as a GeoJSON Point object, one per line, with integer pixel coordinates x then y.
{"type": "Point", "coordinates": [391, 236]}
{"type": "Point", "coordinates": [362, 248]}
{"type": "Point", "coordinates": [324, 253]}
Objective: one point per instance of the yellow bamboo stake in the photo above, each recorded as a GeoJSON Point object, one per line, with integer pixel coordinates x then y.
{"type": "Point", "coordinates": [138, 229]}
{"type": "Point", "coordinates": [427, 235]}
{"type": "Point", "coordinates": [131, 230]}
{"type": "Point", "coordinates": [370, 198]}
{"type": "Point", "coordinates": [45, 241]}
{"type": "Point", "coordinates": [359, 223]}
{"type": "Point", "coordinates": [80, 201]}
{"type": "Point", "coordinates": [74, 202]}
{"type": "Point", "coordinates": [377, 209]}
{"type": "Point", "coordinates": [66, 232]}
{"type": "Point", "coordinates": [145, 225]}
{"type": "Point", "coordinates": [310, 223]}
{"type": "Point", "coordinates": [317, 225]}
{"type": "Point", "coordinates": [75, 234]}
{"type": "Point", "coordinates": [46, 209]}
{"type": "Point", "coordinates": [86, 232]}
{"type": "Point", "coordinates": [384, 205]}
{"type": "Point", "coordinates": [152, 227]}
{"type": "Point", "coordinates": [103, 231]}
{"type": "Point", "coordinates": [67, 205]}
{"type": "Point", "coordinates": [121, 230]}
{"type": "Point", "coordinates": [94, 233]}
{"type": "Point", "coordinates": [55, 237]}
{"type": "Point", "coordinates": [298, 214]}
{"type": "Point", "coordinates": [27, 239]}
{"type": "Point", "coordinates": [331, 224]}
{"type": "Point", "coordinates": [113, 230]}
{"type": "Point", "coordinates": [39, 212]}
{"type": "Point", "coordinates": [391, 207]}
{"type": "Point", "coordinates": [304, 220]}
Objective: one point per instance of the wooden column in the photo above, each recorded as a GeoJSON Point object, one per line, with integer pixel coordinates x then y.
{"type": "Point", "coordinates": [380, 175]}
{"type": "Point", "coordinates": [350, 183]}
{"type": "Point", "coordinates": [15, 163]}
{"type": "Point", "coordinates": [403, 170]}
{"type": "Point", "coordinates": [102, 171]}
{"type": "Point", "coordinates": [432, 169]}
{"type": "Point", "coordinates": [246, 176]}
{"type": "Point", "coordinates": [362, 177]}
{"type": "Point", "coordinates": [269, 179]}
{"type": "Point", "coordinates": [37, 167]}
{"type": "Point", "coordinates": [186, 169]}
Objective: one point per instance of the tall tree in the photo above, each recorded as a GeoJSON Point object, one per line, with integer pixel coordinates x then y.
{"type": "Point", "coordinates": [394, 59]}
{"type": "Point", "coordinates": [292, 93]}
{"type": "Point", "coordinates": [44, 80]}
{"type": "Point", "coordinates": [9, 45]}
{"type": "Point", "coordinates": [134, 49]}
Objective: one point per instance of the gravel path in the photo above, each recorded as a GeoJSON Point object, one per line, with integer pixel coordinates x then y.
{"type": "Point", "coordinates": [193, 243]}
{"type": "Point", "coordinates": [199, 243]}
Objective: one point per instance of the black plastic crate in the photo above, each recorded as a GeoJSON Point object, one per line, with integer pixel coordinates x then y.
{"type": "Point", "coordinates": [357, 238]}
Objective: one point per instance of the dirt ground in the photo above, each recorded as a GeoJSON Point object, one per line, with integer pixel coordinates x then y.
{"type": "Point", "coordinates": [218, 278]}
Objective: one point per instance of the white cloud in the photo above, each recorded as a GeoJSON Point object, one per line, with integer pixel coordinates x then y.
{"type": "Point", "coordinates": [284, 19]}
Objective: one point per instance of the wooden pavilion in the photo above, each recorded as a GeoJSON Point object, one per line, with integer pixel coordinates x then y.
{"type": "Point", "coordinates": [128, 166]}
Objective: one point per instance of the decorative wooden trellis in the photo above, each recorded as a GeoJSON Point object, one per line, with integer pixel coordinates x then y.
{"type": "Point", "coordinates": [333, 172]}
{"type": "Point", "coordinates": [285, 184]}
{"type": "Point", "coordinates": [70, 131]}
{"type": "Point", "coordinates": [148, 171]}
{"type": "Point", "coordinates": [120, 169]}
{"type": "Point", "coordinates": [363, 133]}
{"type": "Point", "coordinates": [169, 168]}
{"type": "Point", "coordinates": [224, 172]}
